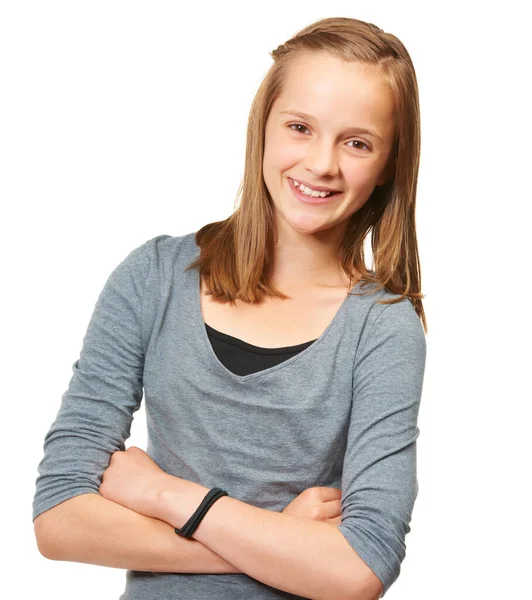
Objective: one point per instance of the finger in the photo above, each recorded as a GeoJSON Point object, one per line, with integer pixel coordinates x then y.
{"type": "Point", "coordinates": [329, 493]}
{"type": "Point", "coordinates": [336, 521]}
{"type": "Point", "coordinates": [331, 509]}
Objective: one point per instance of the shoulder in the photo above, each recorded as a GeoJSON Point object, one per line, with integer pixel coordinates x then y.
{"type": "Point", "coordinates": [395, 325]}
{"type": "Point", "coordinates": [163, 249]}
{"type": "Point", "coordinates": [158, 254]}
{"type": "Point", "coordinates": [165, 246]}
{"type": "Point", "coordinates": [398, 317]}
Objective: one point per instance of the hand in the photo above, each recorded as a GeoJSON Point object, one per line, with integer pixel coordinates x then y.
{"type": "Point", "coordinates": [318, 504]}
{"type": "Point", "coordinates": [134, 480]}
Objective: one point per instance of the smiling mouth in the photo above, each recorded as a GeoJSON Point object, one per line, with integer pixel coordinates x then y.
{"type": "Point", "coordinates": [312, 199]}
{"type": "Point", "coordinates": [328, 192]}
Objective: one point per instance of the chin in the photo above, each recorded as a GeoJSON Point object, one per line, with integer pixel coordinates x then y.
{"type": "Point", "coordinates": [307, 224]}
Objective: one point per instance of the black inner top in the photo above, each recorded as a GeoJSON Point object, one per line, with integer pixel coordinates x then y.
{"type": "Point", "coordinates": [242, 358]}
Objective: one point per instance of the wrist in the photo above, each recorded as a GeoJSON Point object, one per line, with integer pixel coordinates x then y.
{"type": "Point", "coordinates": [178, 500]}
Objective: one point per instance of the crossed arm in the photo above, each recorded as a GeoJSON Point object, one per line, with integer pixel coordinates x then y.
{"type": "Point", "coordinates": [301, 556]}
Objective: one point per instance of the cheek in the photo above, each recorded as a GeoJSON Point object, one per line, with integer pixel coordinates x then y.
{"type": "Point", "coordinates": [279, 154]}
{"type": "Point", "coordinates": [360, 177]}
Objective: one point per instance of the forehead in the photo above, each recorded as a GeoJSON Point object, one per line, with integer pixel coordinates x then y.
{"type": "Point", "coordinates": [337, 93]}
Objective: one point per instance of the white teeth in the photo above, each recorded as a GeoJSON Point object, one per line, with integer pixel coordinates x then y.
{"type": "Point", "coordinates": [308, 192]}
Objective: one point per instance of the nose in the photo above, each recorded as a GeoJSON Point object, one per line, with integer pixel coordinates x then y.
{"type": "Point", "coordinates": [321, 159]}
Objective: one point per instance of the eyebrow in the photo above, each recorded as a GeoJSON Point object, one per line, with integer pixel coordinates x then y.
{"type": "Point", "coordinates": [306, 117]}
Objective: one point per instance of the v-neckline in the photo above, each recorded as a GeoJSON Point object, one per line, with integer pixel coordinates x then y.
{"type": "Point", "coordinates": [199, 325]}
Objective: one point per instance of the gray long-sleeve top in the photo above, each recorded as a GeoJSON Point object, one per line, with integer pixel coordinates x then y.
{"type": "Point", "coordinates": [342, 413]}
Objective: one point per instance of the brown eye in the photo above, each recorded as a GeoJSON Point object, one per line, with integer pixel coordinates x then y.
{"type": "Point", "coordinates": [359, 142]}
{"type": "Point", "coordinates": [297, 125]}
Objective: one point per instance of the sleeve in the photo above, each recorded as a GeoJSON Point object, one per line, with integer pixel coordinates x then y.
{"type": "Point", "coordinates": [96, 411]}
{"type": "Point", "coordinates": [379, 477]}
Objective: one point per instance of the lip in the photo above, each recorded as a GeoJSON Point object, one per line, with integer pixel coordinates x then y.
{"type": "Point", "coordinates": [310, 199]}
{"type": "Point", "coordinates": [315, 187]}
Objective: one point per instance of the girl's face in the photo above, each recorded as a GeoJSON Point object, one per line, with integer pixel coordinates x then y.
{"type": "Point", "coordinates": [327, 147]}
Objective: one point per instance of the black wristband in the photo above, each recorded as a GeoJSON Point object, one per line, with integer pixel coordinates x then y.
{"type": "Point", "coordinates": [192, 524]}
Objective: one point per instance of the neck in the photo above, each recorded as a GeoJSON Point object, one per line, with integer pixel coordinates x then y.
{"type": "Point", "coordinates": [309, 260]}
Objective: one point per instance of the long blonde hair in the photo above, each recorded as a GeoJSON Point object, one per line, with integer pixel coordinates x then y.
{"type": "Point", "coordinates": [235, 260]}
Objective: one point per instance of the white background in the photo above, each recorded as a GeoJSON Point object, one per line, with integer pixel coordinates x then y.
{"type": "Point", "coordinates": [120, 121]}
